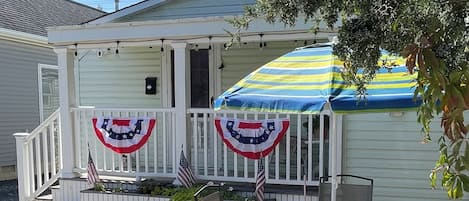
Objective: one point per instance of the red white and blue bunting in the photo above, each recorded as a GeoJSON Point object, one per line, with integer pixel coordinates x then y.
{"type": "Point", "coordinates": [253, 139]}
{"type": "Point", "coordinates": [123, 135]}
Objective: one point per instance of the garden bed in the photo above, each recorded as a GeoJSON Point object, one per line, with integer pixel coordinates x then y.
{"type": "Point", "coordinates": [151, 190]}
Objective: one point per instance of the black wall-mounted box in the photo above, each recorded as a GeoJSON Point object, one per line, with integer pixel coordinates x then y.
{"type": "Point", "coordinates": [150, 85]}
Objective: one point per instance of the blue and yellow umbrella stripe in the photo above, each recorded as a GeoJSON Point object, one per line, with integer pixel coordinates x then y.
{"type": "Point", "coordinates": [304, 80]}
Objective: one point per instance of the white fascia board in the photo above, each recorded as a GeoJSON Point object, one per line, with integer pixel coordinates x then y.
{"type": "Point", "coordinates": [22, 37]}
{"type": "Point", "coordinates": [182, 29]}
{"type": "Point", "coordinates": [127, 11]}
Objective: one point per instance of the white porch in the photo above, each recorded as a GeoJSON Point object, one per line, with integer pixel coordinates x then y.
{"type": "Point", "coordinates": [59, 147]}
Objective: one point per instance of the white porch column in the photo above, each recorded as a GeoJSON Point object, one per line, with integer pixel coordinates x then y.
{"type": "Point", "coordinates": [65, 62]}
{"type": "Point", "coordinates": [181, 94]}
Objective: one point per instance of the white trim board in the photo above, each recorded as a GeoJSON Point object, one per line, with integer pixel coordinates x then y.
{"type": "Point", "coordinates": [180, 29]}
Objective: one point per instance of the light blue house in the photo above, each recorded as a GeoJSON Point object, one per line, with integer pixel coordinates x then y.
{"type": "Point", "coordinates": [103, 67]}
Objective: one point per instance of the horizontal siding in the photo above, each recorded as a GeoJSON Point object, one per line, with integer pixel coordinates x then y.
{"type": "Point", "coordinates": [388, 149]}
{"type": "Point", "coordinates": [19, 106]}
{"type": "Point", "coordinates": [119, 80]}
{"type": "Point", "coordinates": [239, 61]}
{"type": "Point", "coordinates": [189, 9]}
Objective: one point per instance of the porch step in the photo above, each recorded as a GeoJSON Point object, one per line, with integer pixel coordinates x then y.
{"type": "Point", "coordinates": [44, 197]}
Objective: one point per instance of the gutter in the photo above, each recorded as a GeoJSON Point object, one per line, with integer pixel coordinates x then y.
{"type": "Point", "coordinates": [22, 37]}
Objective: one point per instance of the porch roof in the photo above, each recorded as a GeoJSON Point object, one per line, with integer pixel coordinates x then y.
{"type": "Point", "coordinates": [194, 30]}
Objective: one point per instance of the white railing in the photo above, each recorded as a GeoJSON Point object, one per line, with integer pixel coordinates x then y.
{"type": "Point", "coordinates": [38, 158]}
{"type": "Point", "coordinates": [301, 153]}
{"type": "Point", "coordinates": [155, 159]}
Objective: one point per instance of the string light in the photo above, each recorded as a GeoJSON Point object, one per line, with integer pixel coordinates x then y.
{"type": "Point", "coordinates": [117, 47]}
{"type": "Point", "coordinates": [162, 45]}
{"type": "Point", "coordinates": [305, 43]}
{"type": "Point", "coordinates": [261, 43]}
{"type": "Point", "coordinates": [209, 42]}
{"type": "Point", "coordinates": [76, 49]}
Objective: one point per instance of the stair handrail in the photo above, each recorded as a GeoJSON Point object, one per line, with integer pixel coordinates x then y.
{"type": "Point", "coordinates": [36, 176]}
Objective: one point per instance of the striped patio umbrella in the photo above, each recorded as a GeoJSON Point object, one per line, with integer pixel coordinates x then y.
{"type": "Point", "coordinates": [305, 80]}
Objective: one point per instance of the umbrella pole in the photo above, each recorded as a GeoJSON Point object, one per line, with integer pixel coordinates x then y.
{"type": "Point", "coordinates": [333, 144]}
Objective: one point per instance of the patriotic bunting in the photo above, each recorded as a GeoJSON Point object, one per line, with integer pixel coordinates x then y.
{"type": "Point", "coordinates": [251, 139]}
{"type": "Point", "coordinates": [123, 135]}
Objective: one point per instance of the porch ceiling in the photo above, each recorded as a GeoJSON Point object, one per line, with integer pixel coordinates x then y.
{"type": "Point", "coordinates": [190, 30]}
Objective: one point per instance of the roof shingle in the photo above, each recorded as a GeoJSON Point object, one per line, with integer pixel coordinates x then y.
{"type": "Point", "coordinates": [33, 16]}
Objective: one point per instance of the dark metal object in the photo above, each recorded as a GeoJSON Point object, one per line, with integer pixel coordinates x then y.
{"type": "Point", "coordinates": [347, 191]}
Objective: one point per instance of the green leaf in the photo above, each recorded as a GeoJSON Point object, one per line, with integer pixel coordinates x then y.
{"type": "Point", "coordinates": [465, 180]}
{"type": "Point", "coordinates": [456, 146]}
{"type": "Point", "coordinates": [433, 178]}
{"type": "Point", "coordinates": [466, 156]}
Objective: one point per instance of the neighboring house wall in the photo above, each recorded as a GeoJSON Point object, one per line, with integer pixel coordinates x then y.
{"type": "Point", "coordinates": [178, 9]}
{"type": "Point", "coordinates": [388, 149]}
{"type": "Point", "coordinates": [119, 80]}
{"type": "Point", "coordinates": [19, 108]}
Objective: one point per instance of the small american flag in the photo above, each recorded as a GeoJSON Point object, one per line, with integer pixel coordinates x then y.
{"type": "Point", "coordinates": [93, 177]}
{"type": "Point", "coordinates": [260, 181]}
{"type": "Point", "coordinates": [185, 175]}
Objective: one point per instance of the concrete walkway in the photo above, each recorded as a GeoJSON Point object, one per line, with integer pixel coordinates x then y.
{"type": "Point", "coordinates": [9, 190]}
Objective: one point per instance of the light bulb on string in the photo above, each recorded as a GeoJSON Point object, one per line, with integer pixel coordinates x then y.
{"type": "Point", "coordinates": [209, 42]}
{"type": "Point", "coordinates": [162, 45]}
{"type": "Point", "coordinates": [261, 43]}
{"type": "Point", "coordinates": [117, 47]}
{"type": "Point", "coordinates": [76, 49]}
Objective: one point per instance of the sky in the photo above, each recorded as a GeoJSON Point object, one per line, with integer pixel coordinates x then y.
{"type": "Point", "coordinates": [107, 5]}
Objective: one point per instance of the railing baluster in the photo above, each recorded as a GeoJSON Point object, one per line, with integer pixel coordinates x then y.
{"type": "Point", "coordinates": [287, 151]}
{"type": "Point", "coordinates": [86, 123]}
{"type": "Point", "coordinates": [215, 152]}
{"type": "Point", "coordinates": [113, 158]}
{"type": "Point", "coordinates": [195, 133]}
{"type": "Point", "coordinates": [164, 145]}
{"type": "Point", "coordinates": [298, 148]}
{"type": "Point", "coordinates": [45, 153]}
{"type": "Point", "coordinates": [96, 161]}
{"type": "Point", "coordinates": [256, 165]}
{"type": "Point", "coordinates": [246, 171]}
{"type": "Point", "coordinates": [205, 144]}
{"type": "Point", "coordinates": [174, 150]}
{"type": "Point", "coordinates": [277, 156]}
{"type": "Point", "coordinates": [225, 158]}
{"type": "Point", "coordinates": [32, 181]}
{"type": "Point", "coordinates": [147, 146]}
{"type": "Point", "coordinates": [321, 145]}
{"type": "Point", "coordinates": [267, 160]}
{"type": "Point", "coordinates": [235, 157]}
{"type": "Point", "coordinates": [37, 150]}
{"type": "Point", "coordinates": [310, 147]}
{"type": "Point", "coordinates": [52, 148]}
{"type": "Point", "coordinates": [77, 138]}
{"type": "Point", "coordinates": [155, 138]}
{"type": "Point", "coordinates": [104, 149]}
{"type": "Point", "coordinates": [137, 153]}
